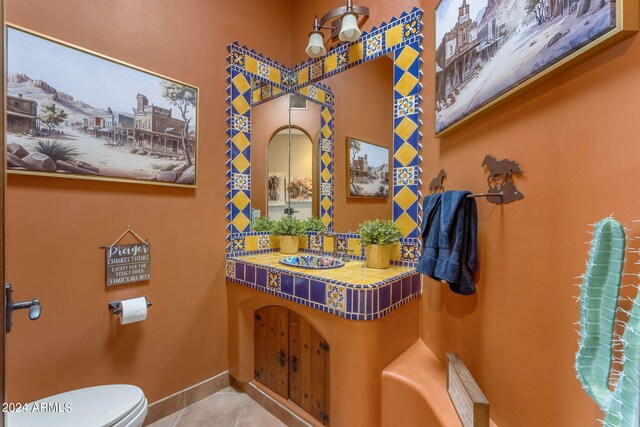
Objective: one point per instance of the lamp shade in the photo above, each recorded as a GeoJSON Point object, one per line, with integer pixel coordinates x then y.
{"type": "Point", "coordinates": [349, 32]}
{"type": "Point", "coordinates": [315, 48]}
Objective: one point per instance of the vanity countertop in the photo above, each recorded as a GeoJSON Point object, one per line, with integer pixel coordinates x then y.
{"type": "Point", "coordinates": [353, 274]}
{"type": "Point", "coordinates": [353, 292]}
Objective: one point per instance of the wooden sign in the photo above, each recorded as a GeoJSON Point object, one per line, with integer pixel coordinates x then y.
{"type": "Point", "coordinates": [470, 403]}
{"type": "Point", "coordinates": [127, 263]}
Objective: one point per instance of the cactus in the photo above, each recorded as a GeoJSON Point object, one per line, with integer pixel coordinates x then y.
{"type": "Point", "coordinates": [598, 307]}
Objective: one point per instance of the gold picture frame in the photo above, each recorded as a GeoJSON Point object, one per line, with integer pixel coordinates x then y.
{"type": "Point", "coordinates": [364, 170]}
{"type": "Point", "coordinates": [162, 146]}
{"type": "Point", "coordinates": [626, 24]}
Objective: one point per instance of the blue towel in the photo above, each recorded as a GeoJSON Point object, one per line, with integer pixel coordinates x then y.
{"type": "Point", "coordinates": [450, 242]}
{"type": "Point", "coordinates": [430, 233]}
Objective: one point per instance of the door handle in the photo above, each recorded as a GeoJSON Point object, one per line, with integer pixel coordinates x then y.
{"type": "Point", "coordinates": [281, 358]}
{"type": "Point", "coordinates": [294, 364]}
{"type": "Point", "coordinates": [34, 306]}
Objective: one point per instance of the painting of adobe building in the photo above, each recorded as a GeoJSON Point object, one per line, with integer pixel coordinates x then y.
{"type": "Point", "coordinates": [368, 169]}
{"type": "Point", "coordinates": [485, 48]}
{"type": "Point", "coordinates": [71, 113]}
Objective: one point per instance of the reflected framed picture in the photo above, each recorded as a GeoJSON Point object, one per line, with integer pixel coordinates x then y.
{"type": "Point", "coordinates": [367, 169]}
{"type": "Point", "coordinates": [275, 189]}
{"type": "Point", "coordinates": [74, 113]}
{"type": "Point", "coordinates": [487, 51]}
{"type": "Point", "coordinates": [300, 189]}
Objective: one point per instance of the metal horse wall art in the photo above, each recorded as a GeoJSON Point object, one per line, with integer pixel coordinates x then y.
{"type": "Point", "coordinates": [437, 183]}
{"type": "Point", "coordinates": [500, 180]}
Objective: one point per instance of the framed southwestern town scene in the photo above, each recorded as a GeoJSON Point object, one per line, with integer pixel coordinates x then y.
{"type": "Point", "coordinates": [74, 113]}
{"type": "Point", "coordinates": [487, 50]}
{"type": "Point", "coordinates": [368, 169]}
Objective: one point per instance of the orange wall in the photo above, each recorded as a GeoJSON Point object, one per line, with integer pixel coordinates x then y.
{"type": "Point", "coordinates": [54, 226]}
{"type": "Point", "coordinates": [575, 137]}
{"type": "Point", "coordinates": [363, 110]}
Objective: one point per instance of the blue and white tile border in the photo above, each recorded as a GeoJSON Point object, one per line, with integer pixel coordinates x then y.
{"type": "Point", "coordinates": [401, 37]}
{"type": "Point", "coordinates": [351, 302]}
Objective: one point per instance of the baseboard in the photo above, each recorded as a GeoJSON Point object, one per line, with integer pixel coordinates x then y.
{"type": "Point", "coordinates": [180, 400]}
{"type": "Point", "coordinates": [279, 410]}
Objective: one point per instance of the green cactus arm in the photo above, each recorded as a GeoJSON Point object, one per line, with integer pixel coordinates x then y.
{"type": "Point", "coordinates": [624, 409]}
{"type": "Point", "coordinates": [598, 304]}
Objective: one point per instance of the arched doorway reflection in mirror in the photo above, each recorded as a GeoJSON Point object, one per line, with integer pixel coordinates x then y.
{"type": "Point", "coordinates": [291, 174]}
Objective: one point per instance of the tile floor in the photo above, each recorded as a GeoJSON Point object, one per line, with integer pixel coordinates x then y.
{"type": "Point", "coordinates": [227, 408]}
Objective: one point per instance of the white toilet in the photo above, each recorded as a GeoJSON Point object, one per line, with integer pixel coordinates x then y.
{"type": "Point", "coordinates": [118, 405]}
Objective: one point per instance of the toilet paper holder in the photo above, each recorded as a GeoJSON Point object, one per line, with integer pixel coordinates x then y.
{"type": "Point", "coordinates": [114, 306]}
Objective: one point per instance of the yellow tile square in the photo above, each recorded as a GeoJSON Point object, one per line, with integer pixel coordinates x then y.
{"type": "Point", "coordinates": [250, 64]}
{"type": "Point", "coordinates": [405, 154]}
{"type": "Point", "coordinates": [241, 83]}
{"type": "Point", "coordinates": [405, 198]}
{"type": "Point", "coordinates": [326, 114]}
{"type": "Point", "coordinates": [395, 252]}
{"type": "Point", "coordinates": [406, 84]}
{"type": "Point", "coordinates": [241, 222]}
{"type": "Point", "coordinates": [406, 128]}
{"type": "Point", "coordinates": [328, 244]}
{"type": "Point", "coordinates": [354, 245]}
{"type": "Point", "coordinates": [257, 95]}
{"type": "Point", "coordinates": [406, 224]}
{"type": "Point", "coordinates": [406, 57]}
{"type": "Point", "coordinates": [240, 200]}
{"type": "Point", "coordinates": [241, 141]}
{"type": "Point", "coordinates": [330, 63]}
{"type": "Point", "coordinates": [355, 52]}
{"type": "Point", "coordinates": [326, 131]}
{"type": "Point", "coordinates": [274, 242]}
{"type": "Point", "coordinates": [326, 202]}
{"type": "Point", "coordinates": [320, 95]}
{"type": "Point", "coordinates": [303, 75]}
{"type": "Point", "coordinates": [251, 243]}
{"type": "Point", "coordinates": [394, 35]}
{"type": "Point", "coordinates": [240, 104]}
{"type": "Point", "coordinates": [274, 75]}
{"type": "Point", "coordinates": [304, 243]}
{"type": "Point", "coordinates": [241, 163]}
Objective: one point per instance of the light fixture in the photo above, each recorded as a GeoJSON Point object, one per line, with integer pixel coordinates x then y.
{"type": "Point", "coordinates": [316, 48]}
{"type": "Point", "coordinates": [344, 26]}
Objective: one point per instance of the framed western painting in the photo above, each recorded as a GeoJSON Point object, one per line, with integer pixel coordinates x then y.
{"type": "Point", "coordinates": [488, 50]}
{"type": "Point", "coordinates": [367, 169]}
{"type": "Point", "coordinates": [74, 113]}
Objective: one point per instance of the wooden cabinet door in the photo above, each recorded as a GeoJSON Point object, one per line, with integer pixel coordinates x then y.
{"type": "Point", "coordinates": [271, 349]}
{"type": "Point", "coordinates": [308, 368]}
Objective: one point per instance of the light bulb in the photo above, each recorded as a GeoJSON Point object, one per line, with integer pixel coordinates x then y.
{"type": "Point", "coordinates": [349, 32]}
{"type": "Point", "coordinates": [315, 48]}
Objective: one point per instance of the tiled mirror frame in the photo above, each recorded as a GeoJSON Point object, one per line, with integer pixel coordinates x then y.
{"type": "Point", "coordinates": [403, 38]}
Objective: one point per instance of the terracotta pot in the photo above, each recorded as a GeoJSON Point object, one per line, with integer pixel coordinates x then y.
{"type": "Point", "coordinates": [378, 256]}
{"type": "Point", "coordinates": [289, 245]}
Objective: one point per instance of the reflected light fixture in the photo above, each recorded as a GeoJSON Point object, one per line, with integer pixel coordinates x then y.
{"type": "Point", "coordinates": [344, 26]}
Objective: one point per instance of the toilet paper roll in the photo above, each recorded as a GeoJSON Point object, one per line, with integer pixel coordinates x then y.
{"type": "Point", "coordinates": [133, 310]}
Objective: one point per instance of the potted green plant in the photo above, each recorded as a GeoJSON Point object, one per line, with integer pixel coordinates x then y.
{"type": "Point", "coordinates": [378, 236]}
{"type": "Point", "coordinates": [289, 229]}
{"type": "Point", "coordinates": [313, 224]}
{"type": "Point", "coordinates": [263, 223]}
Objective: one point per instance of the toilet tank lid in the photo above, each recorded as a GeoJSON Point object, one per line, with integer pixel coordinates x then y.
{"type": "Point", "coordinates": [98, 406]}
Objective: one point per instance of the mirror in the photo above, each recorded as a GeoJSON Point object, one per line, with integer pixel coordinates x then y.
{"type": "Point", "coordinates": [285, 157]}
{"type": "Point", "coordinates": [363, 143]}
{"type": "Point", "coordinates": [284, 150]}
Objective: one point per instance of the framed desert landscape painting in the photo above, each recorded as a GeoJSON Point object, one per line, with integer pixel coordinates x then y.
{"type": "Point", "coordinates": [367, 169]}
{"type": "Point", "coordinates": [74, 113]}
{"type": "Point", "coordinates": [488, 50]}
